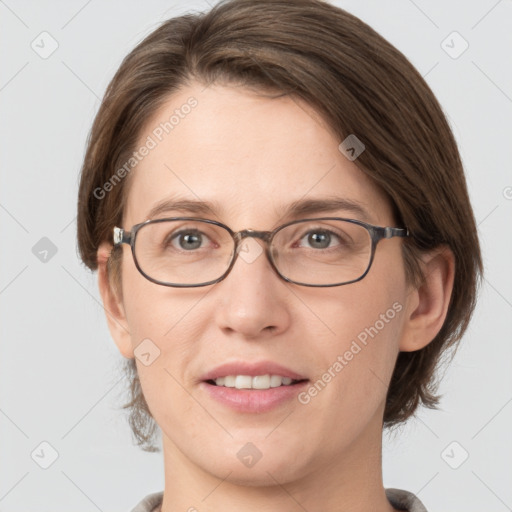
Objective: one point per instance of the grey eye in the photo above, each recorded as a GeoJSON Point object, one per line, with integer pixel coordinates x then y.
{"type": "Point", "coordinates": [188, 239]}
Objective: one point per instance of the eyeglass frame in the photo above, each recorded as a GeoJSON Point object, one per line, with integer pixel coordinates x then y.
{"type": "Point", "coordinates": [377, 233]}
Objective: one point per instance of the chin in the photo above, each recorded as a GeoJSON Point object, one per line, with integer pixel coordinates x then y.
{"type": "Point", "coordinates": [269, 467]}
{"type": "Point", "coordinates": [259, 477]}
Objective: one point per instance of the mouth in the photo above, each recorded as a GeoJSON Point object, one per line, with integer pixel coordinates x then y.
{"type": "Point", "coordinates": [255, 387]}
{"type": "Point", "coordinates": [256, 382]}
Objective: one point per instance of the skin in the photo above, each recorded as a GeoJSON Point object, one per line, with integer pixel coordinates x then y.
{"type": "Point", "coordinates": [254, 155]}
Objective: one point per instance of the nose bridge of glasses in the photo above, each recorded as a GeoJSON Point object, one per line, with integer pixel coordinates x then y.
{"type": "Point", "coordinates": [252, 233]}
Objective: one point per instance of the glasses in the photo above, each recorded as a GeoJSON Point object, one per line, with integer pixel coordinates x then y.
{"type": "Point", "coordinates": [190, 252]}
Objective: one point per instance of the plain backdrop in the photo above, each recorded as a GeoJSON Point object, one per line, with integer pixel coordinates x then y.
{"type": "Point", "coordinates": [60, 379]}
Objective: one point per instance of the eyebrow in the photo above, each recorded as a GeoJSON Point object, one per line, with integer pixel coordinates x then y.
{"type": "Point", "coordinates": [298, 208]}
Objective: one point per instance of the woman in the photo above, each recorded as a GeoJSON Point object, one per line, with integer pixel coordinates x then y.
{"type": "Point", "coordinates": [285, 247]}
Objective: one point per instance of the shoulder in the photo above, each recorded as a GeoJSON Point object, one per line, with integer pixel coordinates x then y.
{"type": "Point", "coordinates": [405, 500]}
{"type": "Point", "coordinates": [151, 503]}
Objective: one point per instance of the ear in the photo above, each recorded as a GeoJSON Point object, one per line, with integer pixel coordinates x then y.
{"type": "Point", "coordinates": [113, 305]}
{"type": "Point", "coordinates": [428, 304]}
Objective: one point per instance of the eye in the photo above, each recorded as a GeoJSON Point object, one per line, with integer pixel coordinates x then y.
{"type": "Point", "coordinates": [187, 240]}
{"type": "Point", "coordinates": [320, 238]}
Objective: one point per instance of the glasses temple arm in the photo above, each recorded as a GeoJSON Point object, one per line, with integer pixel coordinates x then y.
{"type": "Point", "coordinates": [121, 237]}
{"type": "Point", "coordinates": [391, 232]}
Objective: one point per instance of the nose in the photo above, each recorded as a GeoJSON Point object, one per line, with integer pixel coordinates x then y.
{"type": "Point", "coordinates": [252, 300]}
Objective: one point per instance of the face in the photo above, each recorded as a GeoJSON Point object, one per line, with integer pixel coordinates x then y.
{"type": "Point", "coordinates": [251, 156]}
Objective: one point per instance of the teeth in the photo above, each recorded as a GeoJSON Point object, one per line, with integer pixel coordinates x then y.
{"type": "Point", "coordinates": [257, 382]}
{"type": "Point", "coordinates": [229, 381]}
{"type": "Point", "coordinates": [243, 382]}
{"type": "Point", "coordinates": [275, 381]}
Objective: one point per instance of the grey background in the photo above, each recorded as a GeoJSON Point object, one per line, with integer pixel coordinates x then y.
{"type": "Point", "coordinates": [60, 379]}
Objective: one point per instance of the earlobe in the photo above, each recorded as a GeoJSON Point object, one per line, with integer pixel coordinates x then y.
{"type": "Point", "coordinates": [428, 303]}
{"type": "Point", "coordinates": [113, 305]}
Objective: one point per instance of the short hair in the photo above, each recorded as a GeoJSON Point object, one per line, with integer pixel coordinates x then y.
{"type": "Point", "coordinates": [361, 85]}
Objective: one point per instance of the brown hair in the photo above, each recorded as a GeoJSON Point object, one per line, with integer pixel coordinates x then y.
{"type": "Point", "coordinates": [361, 84]}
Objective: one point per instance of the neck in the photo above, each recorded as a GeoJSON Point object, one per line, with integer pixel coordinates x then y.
{"type": "Point", "coordinates": [347, 481]}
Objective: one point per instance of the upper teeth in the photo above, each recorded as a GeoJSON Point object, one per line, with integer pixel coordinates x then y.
{"type": "Point", "coordinates": [256, 382]}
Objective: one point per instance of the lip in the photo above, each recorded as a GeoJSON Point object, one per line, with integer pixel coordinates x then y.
{"type": "Point", "coordinates": [252, 369]}
{"type": "Point", "coordinates": [252, 400]}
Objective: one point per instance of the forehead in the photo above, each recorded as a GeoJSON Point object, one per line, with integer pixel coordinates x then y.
{"type": "Point", "coordinates": [246, 154]}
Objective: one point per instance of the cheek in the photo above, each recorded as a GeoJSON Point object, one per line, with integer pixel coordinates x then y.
{"type": "Point", "coordinates": [356, 340]}
{"type": "Point", "coordinates": [152, 310]}
{"type": "Point", "coordinates": [358, 333]}
{"type": "Point", "coordinates": [165, 325]}
{"type": "Point", "coordinates": [367, 313]}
